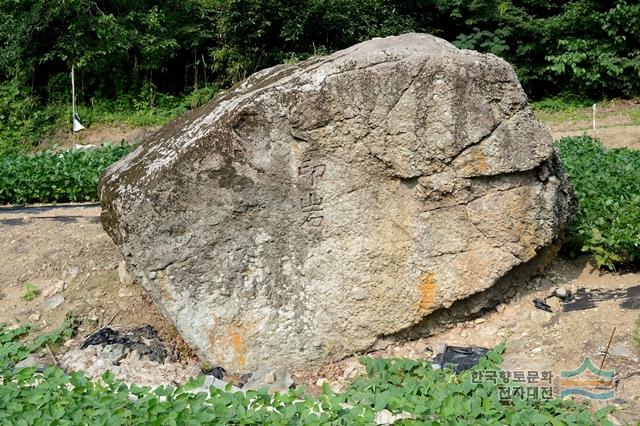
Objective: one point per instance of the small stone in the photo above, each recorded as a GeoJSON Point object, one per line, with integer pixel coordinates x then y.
{"type": "Point", "coordinates": [479, 320]}
{"type": "Point", "coordinates": [337, 387]}
{"type": "Point", "coordinates": [282, 380]}
{"type": "Point", "coordinates": [500, 308]}
{"type": "Point", "coordinates": [133, 357]}
{"type": "Point", "coordinates": [561, 292]}
{"type": "Point", "coordinates": [270, 377]}
{"type": "Point", "coordinates": [540, 318]}
{"type": "Point", "coordinates": [555, 304]}
{"type": "Point", "coordinates": [152, 275]}
{"type": "Point", "coordinates": [536, 350]}
{"type": "Point", "coordinates": [114, 353]}
{"type": "Point", "coordinates": [620, 350]}
{"type": "Point", "coordinates": [464, 334]}
{"type": "Point", "coordinates": [52, 302]}
{"type": "Point", "coordinates": [125, 277]}
{"type": "Point", "coordinates": [352, 370]}
{"type": "Point", "coordinates": [30, 361]}
{"type": "Point", "coordinates": [321, 381]}
{"type": "Point", "coordinates": [35, 316]}
{"type": "Point", "coordinates": [386, 417]}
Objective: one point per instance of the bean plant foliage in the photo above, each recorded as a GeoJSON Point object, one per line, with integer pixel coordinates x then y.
{"type": "Point", "coordinates": [55, 176]}
{"type": "Point", "coordinates": [607, 184]}
{"type": "Point", "coordinates": [413, 388]}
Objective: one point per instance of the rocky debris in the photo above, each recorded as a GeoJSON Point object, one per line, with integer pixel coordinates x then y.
{"type": "Point", "coordinates": [278, 380]}
{"type": "Point", "coordinates": [135, 356]}
{"type": "Point", "coordinates": [324, 207]}
{"type": "Point", "coordinates": [116, 345]}
{"type": "Point", "coordinates": [132, 368]}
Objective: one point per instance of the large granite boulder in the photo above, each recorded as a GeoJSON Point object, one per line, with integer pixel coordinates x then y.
{"type": "Point", "coordinates": [319, 207]}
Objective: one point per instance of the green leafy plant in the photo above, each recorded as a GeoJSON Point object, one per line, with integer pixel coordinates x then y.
{"type": "Point", "coordinates": [607, 184]}
{"type": "Point", "coordinates": [414, 388]}
{"type": "Point", "coordinates": [482, 40]}
{"type": "Point", "coordinates": [30, 292]}
{"type": "Point", "coordinates": [55, 176]}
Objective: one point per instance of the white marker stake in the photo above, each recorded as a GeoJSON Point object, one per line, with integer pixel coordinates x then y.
{"type": "Point", "coordinates": [594, 117]}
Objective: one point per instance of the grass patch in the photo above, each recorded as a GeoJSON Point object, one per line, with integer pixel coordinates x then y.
{"type": "Point", "coordinates": [607, 184]}
{"type": "Point", "coordinates": [558, 110]}
{"type": "Point", "coordinates": [67, 176]}
{"type": "Point", "coordinates": [560, 104]}
{"type": "Point", "coordinates": [426, 395]}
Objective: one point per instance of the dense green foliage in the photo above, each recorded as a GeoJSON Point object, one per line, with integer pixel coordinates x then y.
{"type": "Point", "coordinates": [55, 176]}
{"type": "Point", "coordinates": [400, 386]}
{"type": "Point", "coordinates": [607, 184]}
{"type": "Point", "coordinates": [147, 51]}
{"type": "Point", "coordinates": [139, 47]}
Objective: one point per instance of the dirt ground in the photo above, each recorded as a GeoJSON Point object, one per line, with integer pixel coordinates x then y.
{"type": "Point", "coordinates": [63, 251]}
{"type": "Point", "coordinates": [98, 134]}
{"type": "Point", "coordinates": [63, 255]}
{"type": "Point", "coordinates": [617, 123]}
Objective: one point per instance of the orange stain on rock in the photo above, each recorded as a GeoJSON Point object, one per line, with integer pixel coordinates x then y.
{"type": "Point", "coordinates": [238, 347]}
{"type": "Point", "coordinates": [229, 343]}
{"type": "Point", "coordinates": [427, 290]}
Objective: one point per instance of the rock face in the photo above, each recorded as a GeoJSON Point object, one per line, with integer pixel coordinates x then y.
{"type": "Point", "coordinates": [319, 207]}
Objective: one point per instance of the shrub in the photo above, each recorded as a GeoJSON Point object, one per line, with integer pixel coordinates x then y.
{"type": "Point", "coordinates": [607, 184]}
{"type": "Point", "coordinates": [55, 176]}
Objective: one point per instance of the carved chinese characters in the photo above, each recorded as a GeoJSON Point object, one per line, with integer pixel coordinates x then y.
{"type": "Point", "coordinates": [310, 174]}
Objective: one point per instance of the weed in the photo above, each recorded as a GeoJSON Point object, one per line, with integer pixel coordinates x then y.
{"type": "Point", "coordinates": [30, 292]}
